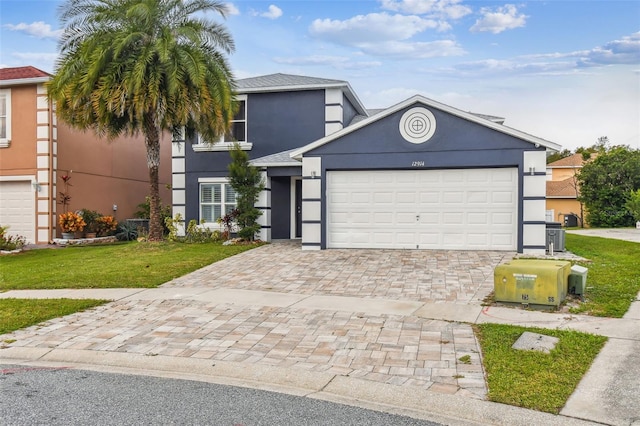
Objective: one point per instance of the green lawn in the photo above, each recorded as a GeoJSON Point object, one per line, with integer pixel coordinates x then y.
{"type": "Point", "coordinates": [20, 313]}
{"type": "Point", "coordinates": [533, 379]}
{"type": "Point", "coordinates": [613, 280]}
{"type": "Point", "coordinates": [122, 265]}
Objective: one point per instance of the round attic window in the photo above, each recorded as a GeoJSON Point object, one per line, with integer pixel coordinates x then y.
{"type": "Point", "coordinates": [417, 125]}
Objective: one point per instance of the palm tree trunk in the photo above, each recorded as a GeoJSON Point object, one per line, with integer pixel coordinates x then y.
{"type": "Point", "coordinates": [152, 142]}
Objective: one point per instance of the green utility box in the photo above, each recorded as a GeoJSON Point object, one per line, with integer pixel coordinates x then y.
{"type": "Point", "coordinates": [532, 281]}
{"type": "Point", "coordinates": [578, 279]}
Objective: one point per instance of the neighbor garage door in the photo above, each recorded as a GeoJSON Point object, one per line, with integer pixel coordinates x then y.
{"type": "Point", "coordinates": [17, 209]}
{"type": "Point", "coordinates": [466, 209]}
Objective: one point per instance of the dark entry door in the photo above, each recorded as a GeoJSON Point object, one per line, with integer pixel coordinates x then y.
{"type": "Point", "coordinates": [298, 195]}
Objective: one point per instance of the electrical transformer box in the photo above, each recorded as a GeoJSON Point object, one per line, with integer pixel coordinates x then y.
{"type": "Point", "coordinates": [532, 281]}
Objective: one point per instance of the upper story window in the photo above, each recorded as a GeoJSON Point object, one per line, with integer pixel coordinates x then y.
{"type": "Point", "coordinates": [5, 118]}
{"type": "Point", "coordinates": [237, 132]}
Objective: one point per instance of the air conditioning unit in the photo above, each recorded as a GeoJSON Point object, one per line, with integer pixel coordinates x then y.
{"type": "Point", "coordinates": [555, 236]}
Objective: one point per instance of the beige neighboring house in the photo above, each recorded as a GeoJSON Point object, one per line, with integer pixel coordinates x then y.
{"type": "Point", "coordinates": [563, 189]}
{"type": "Point", "coordinates": [36, 150]}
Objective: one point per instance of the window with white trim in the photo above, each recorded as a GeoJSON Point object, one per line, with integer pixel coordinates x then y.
{"type": "Point", "coordinates": [5, 117]}
{"type": "Point", "coordinates": [237, 132]}
{"type": "Point", "coordinates": [216, 200]}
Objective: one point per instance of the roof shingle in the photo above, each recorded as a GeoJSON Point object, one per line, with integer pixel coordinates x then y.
{"type": "Point", "coordinates": [19, 73]}
{"type": "Point", "coordinates": [574, 160]}
{"type": "Point", "coordinates": [562, 188]}
{"type": "Point", "coordinates": [283, 80]}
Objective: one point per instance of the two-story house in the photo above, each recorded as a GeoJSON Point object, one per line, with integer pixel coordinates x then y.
{"type": "Point", "coordinates": [36, 150]}
{"type": "Point", "coordinates": [417, 175]}
{"type": "Point", "coordinates": [563, 190]}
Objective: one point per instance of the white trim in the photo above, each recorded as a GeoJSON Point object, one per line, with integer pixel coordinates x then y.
{"type": "Point", "coordinates": [23, 81]}
{"type": "Point", "coordinates": [14, 178]}
{"type": "Point", "coordinates": [211, 180]}
{"type": "Point", "coordinates": [6, 141]}
{"type": "Point", "coordinates": [220, 146]}
{"type": "Point", "coordinates": [420, 116]}
{"type": "Point", "coordinates": [297, 154]}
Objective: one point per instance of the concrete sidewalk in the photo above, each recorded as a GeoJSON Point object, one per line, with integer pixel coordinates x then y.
{"type": "Point", "coordinates": [383, 329]}
{"type": "Point", "coordinates": [608, 394]}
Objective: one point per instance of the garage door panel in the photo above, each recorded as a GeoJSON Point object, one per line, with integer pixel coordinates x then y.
{"type": "Point", "coordinates": [502, 219]}
{"type": "Point", "coordinates": [477, 218]}
{"type": "Point", "coordinates": [502, 197]}
{"type": "Point", "coordinates": [430, 197]}
{"type": "Point", "coordinates": [17, 208]}
{"type": "Point", "coordinates": [451, 197]}
{"type": "Point", "coordinates": [405, 218]}
{"type": "Point", "coordinates": [477, 197]}
{"type": "Point", "coordinates": [451, 218]}
{"type": "Point", "coordinates": [432, 209]}
{"type": "Point", "coordinates": [478, 240]}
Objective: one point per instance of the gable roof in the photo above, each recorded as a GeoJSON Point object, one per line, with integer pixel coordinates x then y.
{"type": "Point", "coordinates": [279, 159]}
{"type": "Point", "coordinates": [22, 75]}
{"type": "Point", "coordinates": [561, 188]}
{"type": "Point", "coordinates": [430, 103]}
{"type": "Point", "coordinates": [289, 82]}
{"type": "Point", "coordinates": [572, 161]}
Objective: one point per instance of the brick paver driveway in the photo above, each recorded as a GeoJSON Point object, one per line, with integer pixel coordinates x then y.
{"type": "Point", "coordinates": [400, 349]}
{"type": "Point", "coordinates": [418, 275]}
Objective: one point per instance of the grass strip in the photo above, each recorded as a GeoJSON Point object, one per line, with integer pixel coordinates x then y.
{"type": "Point", "coordinates": [21, 313]}
{"type": "Point", "coordinates": [124, 265]}
{"type": "Point", "coordinates": [533, 379]}
{"type": "Point", "coordinates": [613, 280]}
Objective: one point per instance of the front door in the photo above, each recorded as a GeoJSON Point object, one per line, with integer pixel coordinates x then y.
{"type": "Point", "coordinates": [298, 209]}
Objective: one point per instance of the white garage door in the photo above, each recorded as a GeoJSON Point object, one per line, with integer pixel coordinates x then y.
{"type": "Point", "coordinates": [467, 209]}
{"type": "Point", "coordinates": [17, 208]}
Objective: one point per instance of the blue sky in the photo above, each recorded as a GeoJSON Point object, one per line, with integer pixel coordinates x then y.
{"type": "Point", "coordinates": [567, 71]}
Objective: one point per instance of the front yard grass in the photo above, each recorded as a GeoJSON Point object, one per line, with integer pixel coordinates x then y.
{"type": "Point", "coordinates": [613, 279]}
{"type": "Point", "coordinates": [121, 265]}
{"type": "Point", "coordinates": [20, 313]}
{"type": "Point", "coordinates": [533, 379]}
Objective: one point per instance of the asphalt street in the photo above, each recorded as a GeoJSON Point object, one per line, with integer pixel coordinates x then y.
{"type": "Point", "coordinates": [66, 396]}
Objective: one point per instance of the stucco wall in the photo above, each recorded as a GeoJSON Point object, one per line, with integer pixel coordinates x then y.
{"type": "Point", "coordinates": [105, 172]}
{"type": "Point", "coordinates": [20, 157]}
{"type": "Point", "coordinates": [561, 207]}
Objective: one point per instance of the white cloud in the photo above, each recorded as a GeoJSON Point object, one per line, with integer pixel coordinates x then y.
{"type": "Point", "coordinates": [495, 67]}
{"type": "Point", "coordinates": [340, 62]}
{"type": "Point", "coordinates": [35, 56]}
{"type": "Point", "coordinates": [232, 9]}
{"type": "Point", "coordinates": [37, 29]}
{"type": "Point", "coordinates": [274, 12]}
{"type": "Point", "coordinates": [372, 28]}
{"type": "Point", "coordinates": [624, 51]}
{"type": "Point", "coordinates": [445, 9]}
{"type": "Point", "coordinates": [416, 50]}
{"type": "Point", "coordinates": [501, 19]}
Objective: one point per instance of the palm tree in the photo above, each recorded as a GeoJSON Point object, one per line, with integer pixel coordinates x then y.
{"type": "Point", "coordinates": [144, 66]}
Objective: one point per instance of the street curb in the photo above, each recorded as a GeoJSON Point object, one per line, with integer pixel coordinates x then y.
{"type": "Point", "coordinates": [412, 402]}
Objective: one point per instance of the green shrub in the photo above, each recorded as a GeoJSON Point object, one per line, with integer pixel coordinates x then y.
{"type": "Point", "coordinates": [127, 232]}
{"type": "Point", "coordinates": [10, 242]}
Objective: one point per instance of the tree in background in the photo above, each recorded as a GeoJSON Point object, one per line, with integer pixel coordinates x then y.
{"type": "Point", "coordinates": [558, 155]}
{"type": "Point", "coordinates": [633, 204]}
{"type": "Point", "coordinates": [606, 184]}
{"type": "Point", "coordinates": [246, 181]}
{"type": "Point", "coordinates": [144, 66]}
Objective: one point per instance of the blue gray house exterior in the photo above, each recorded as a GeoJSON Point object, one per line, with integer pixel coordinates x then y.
{"type": "Point", "coordinates": [418, 175]}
